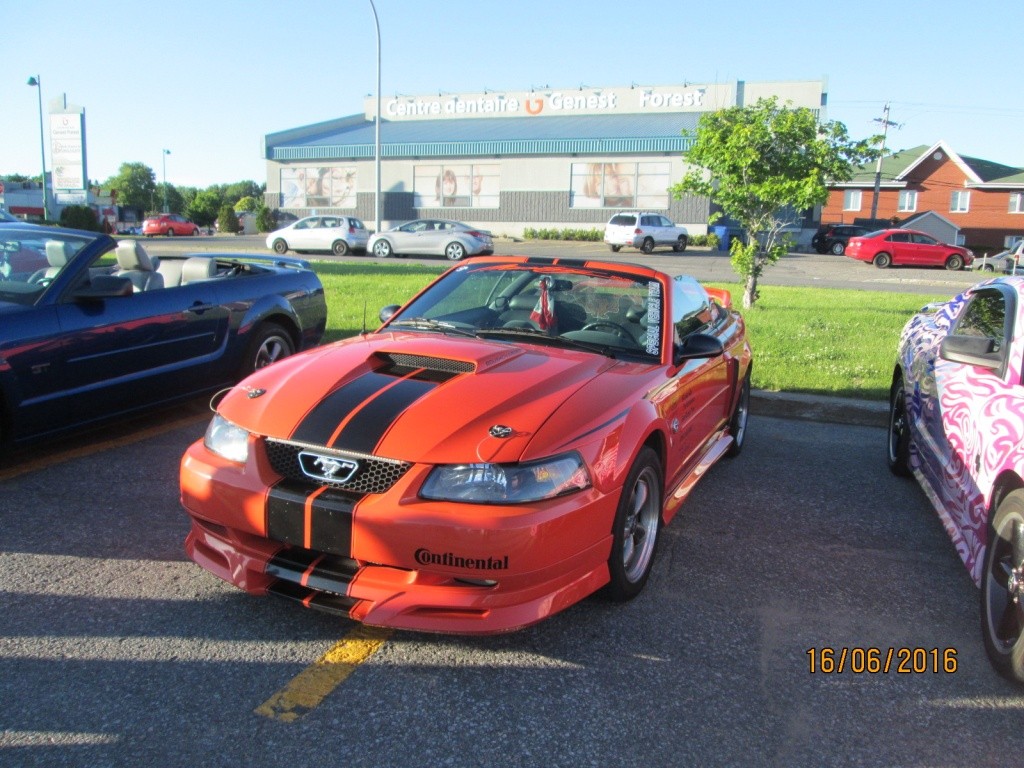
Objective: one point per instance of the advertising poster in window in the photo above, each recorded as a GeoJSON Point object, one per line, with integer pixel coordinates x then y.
{"type": "Point", "coordinates": [318, 187]}
{"type": "Point", "coordinates": [456, 186]}
{"type": "Point", "coordinates": [619, 185]}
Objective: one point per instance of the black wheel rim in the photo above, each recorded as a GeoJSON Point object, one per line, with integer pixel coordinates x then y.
{"type": "Point", "coordinates": [1003, 611]}
{"type": "Point", "coordinates": [897, 424]}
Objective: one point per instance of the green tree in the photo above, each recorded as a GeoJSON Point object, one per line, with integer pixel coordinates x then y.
{"type": "Point", "coordinates": [762, 165]}
{"type": "Point", "coordinates": [204, 207]}
{"type": "Point", "coordinates": [247, 203]}
{"type": "Point", "coordinates": [232, 193]}
{"type": "Point", "coordinates": [135, 185]}
{"type": "Point", "coordinates": [175, 202]}
{"type": "Point", "coordinates": [227, 221]}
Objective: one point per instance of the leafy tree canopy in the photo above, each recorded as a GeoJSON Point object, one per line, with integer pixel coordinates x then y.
{"type": "Point", "coordinates": [762, 165]}
{"type": "Point", "coordinates": [135, 185]}
{"type": "Point", "coordinates": [247, 203]}
{"type": "Point", "coordinates": [204, 206]}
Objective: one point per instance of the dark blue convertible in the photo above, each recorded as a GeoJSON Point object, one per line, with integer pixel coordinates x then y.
{"type": "Point", "coordinates": [92, 328]}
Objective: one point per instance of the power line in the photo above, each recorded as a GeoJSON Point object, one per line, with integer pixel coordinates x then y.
{"type": "Point", "coordinates": [886, 122]}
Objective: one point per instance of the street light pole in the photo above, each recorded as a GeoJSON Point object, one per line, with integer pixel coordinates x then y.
{"type": "Point", "coordinates": [376, 135]}
{"type": "Point", "coordinates": [166, 152]}
{"type": "Point", "coordinates": [37, 82]}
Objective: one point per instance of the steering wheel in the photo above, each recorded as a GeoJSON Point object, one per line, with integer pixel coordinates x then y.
{"type": "Point", "coordinates": [608, 325]}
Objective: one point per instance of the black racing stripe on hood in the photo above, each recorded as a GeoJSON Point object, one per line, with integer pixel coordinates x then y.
{"type": "Point", "coordinates": [368, 426]}
{"type": "Point", "coordinates": [319, 425]}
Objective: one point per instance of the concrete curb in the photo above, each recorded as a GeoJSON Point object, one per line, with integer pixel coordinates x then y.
{"type": "Point", "coordinates": [835, 410]}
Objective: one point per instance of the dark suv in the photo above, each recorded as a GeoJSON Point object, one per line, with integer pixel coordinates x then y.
{"type": "Point", "coordinates": [833, 237]}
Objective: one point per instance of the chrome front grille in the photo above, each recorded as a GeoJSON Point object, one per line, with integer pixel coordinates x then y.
{"type": "Point", "coordinates": [373, 475]}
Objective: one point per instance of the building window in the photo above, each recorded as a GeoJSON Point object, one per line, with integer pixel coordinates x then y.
{"type": "Point", "coordinates": [318, 187]}
{"type": "Point", "coordinates": [619, 185]}
{"type": "Point", "coordinates": [1017, 202]}
{"type": "Point", "coordinates": [851, 200]}
{"type": "Point", "coordinates": [908, 201]}
{"type": "Point", "coordinates": [456, 186]}
{"type": "Point", "coordinates": [960, 201]}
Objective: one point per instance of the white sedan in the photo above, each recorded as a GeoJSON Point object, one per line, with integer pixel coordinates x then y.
{"type": "Point", "coordinates": [432, 237]}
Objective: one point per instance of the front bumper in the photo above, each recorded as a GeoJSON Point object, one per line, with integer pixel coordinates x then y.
{"type": "Point", "coordinates": [407, 563]}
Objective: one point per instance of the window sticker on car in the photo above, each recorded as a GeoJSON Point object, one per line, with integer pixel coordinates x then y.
{"type": "Point", "coordinates": [653, 317]}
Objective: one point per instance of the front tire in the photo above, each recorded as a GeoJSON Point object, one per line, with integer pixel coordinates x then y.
{"type": "Point", "coordinates": [898, 453]}
{"type": "Point", "coordinates": [882, 260]}
{"type": "Point", "coordinates": [455, 251]}
{"type": "Point", "coordinates": [195, 232]}
{"type": "Point", "coordinates": [680, 245]}
{"type": "Point", "coordinates": [635, 530]}
{"type": "Point", "coordinates": [738, 422]}
{"type": "Point", "coordinates": [170, 232]}
{"type": "Point", "coordinates": [382, 249]}
{"type": "Point", "coordinates": [838, 249]}
{"type": "Point", "coordinates": [647, 246]}
{"type": "Point", "coordinates": [270, 343]}
{"type": "Point", "coordinates": [340, 248]}
{"type": "Point", "coordinates": [955, 263]}
{"type": "Point", "coordinates": [1002, 587]}
{"type": "Point", "coordinates": [280, 247]}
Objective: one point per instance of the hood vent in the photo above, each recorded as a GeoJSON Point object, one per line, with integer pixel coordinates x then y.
{"type": "Point", "coordinates": [397, 363]}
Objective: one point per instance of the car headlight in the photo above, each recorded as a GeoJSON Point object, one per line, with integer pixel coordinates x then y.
{"type": "Point", "coordinates": [227, 440]}
{"type": "Point", "coordinates": [507, 483]}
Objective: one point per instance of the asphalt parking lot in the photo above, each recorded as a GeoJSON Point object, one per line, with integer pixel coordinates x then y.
{"type": "Point", "coordinates": [802, 553]}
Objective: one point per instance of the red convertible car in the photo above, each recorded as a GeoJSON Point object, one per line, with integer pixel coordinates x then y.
{"type": "Point", "coordinates": [507, 443]}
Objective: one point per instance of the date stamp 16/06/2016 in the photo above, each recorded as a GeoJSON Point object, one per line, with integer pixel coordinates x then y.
{"type": "Point", "coordinates": [903, 661]}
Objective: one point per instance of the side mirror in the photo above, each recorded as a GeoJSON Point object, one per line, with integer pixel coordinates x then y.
{"type": "Point", "coordinates": [388, 312]}
{"type": "Point", "coordinates": [104, 287]}
{"type": "Point", "coordinates": [698, 346]}
{"type": "Point", "coordinates": [971, 350]}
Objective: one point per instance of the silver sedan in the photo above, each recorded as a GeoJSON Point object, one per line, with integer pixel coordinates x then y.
{"type": "Point", "coordinates": [432, 237]}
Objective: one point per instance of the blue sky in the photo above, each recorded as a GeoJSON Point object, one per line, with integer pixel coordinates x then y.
{"type": "Point", "coordinates": [208, 80]}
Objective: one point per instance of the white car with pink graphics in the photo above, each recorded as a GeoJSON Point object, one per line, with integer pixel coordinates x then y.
{"type": "Point", "coordinates": [957, 425]}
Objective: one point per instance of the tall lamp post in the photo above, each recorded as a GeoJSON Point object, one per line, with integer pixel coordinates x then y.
{"type": "Point", "coordinates": [37, 82]}
{"type": "Point", "coordinates": [166, 152]}
{"type": "Point", "coordinates": [376, 134]}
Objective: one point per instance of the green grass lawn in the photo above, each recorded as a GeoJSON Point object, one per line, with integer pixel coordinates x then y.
{"type": "Point", "coordinates": [815, 340]}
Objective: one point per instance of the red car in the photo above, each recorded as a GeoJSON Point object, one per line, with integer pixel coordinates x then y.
{"type": "Point", "coordinates": [169, 224]}
{"type": "Point", "coordinates": [907, 247]}
{"type": "Point", "coordinates": [507, 443]}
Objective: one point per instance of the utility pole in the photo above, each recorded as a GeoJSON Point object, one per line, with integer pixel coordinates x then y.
{"type": "Point", "coordinates": [884, 120]}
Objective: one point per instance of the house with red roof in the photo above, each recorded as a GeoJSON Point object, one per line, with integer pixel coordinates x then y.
{"type": "Point", "coordinates": [981, 201]}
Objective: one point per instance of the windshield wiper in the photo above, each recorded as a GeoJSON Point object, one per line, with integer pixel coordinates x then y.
{"type": "Point", "coordinates": [538, 335]}
{"type": "Point", "coordinates": [426, 324]}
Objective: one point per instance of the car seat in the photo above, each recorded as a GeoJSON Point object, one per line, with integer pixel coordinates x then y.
{"type": "Point", "coordinates": [134, 263]}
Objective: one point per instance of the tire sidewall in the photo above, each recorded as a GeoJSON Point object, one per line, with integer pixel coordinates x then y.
{"type": "Point", "coordinates": [620, 587]}
{"type": "Point", "coordinates": [898, 454]}
{"type": "Point", "coordinates": [261, 336]}
{"type": "Point", "coordinates": [1007, 661]}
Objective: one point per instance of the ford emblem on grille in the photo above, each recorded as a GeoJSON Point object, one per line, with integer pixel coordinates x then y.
{"type": "Point", "coordinates": [329, 469]}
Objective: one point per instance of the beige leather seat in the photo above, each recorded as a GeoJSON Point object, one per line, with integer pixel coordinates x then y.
{"type": "Point", "coordinates": [134, 263]}
{"type": "Point", "coordinates": [58, 252]}
{"type": "Point", "coordinates": [198, 268]}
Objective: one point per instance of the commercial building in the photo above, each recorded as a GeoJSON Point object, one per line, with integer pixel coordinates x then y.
{"type": "Point", "coordinates": [542, 158]}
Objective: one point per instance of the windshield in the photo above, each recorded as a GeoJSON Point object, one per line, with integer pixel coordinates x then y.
{"type": "Point", "coordinates": [32, 257]}
{"type": "Point", "coordinates": [550, 304]}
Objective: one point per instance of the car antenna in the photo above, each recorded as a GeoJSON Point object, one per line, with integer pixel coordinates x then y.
{"type": "Point", "coordinates": [364, 317]}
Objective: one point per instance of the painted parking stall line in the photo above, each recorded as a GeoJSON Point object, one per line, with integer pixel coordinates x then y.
{"type": "Point", "coordinates": [310, 687]}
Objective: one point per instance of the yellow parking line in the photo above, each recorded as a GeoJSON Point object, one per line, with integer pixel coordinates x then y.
{"type": "Point", "coordinates": [311, 686]}
{"type": "Point", "coordinates": [50, 459]}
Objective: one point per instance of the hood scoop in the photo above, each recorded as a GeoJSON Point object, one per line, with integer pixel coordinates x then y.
{"type": "Point", "coordinates": [399, 363]}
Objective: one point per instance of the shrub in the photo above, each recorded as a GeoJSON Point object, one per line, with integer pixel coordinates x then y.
{"type": "Point", "coordinates": [227, 221]}
{"type": "Point", "coordinates": [79, 217]}
{"type": "Point", "coordinates": [264, 220]}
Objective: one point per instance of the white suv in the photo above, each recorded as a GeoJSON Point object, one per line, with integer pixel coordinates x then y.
{"type": "Point", "coordinates": [644, 230]}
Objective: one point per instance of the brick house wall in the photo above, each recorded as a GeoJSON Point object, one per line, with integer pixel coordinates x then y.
{"type": "Point", "coordinates": [985, 225]}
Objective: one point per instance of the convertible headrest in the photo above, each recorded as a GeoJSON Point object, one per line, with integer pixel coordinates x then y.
{"type": "Point", "coordinates": [132, 256]}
